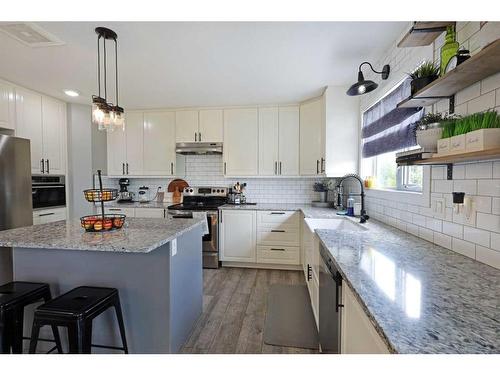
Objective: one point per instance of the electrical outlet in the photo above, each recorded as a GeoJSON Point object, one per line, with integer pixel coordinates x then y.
{"type": "Point", "coordinates": [439, 208]}
{"type": "Point", "coordinates": [174, 246]}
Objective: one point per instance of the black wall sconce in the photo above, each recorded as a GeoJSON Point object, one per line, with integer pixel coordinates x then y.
{"type": "Point", "coordinates": [363, 86]}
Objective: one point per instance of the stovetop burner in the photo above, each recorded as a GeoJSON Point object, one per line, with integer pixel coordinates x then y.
{"type": "Point", "coordinates": [202, 198]}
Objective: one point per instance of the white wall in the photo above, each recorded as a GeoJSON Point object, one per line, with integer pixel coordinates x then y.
{"type": "Point", "coordinates": [478, 237]}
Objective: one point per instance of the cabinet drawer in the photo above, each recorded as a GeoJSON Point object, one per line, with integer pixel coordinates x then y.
{"type": "Point", "coordinates": [278, 218]}
{"type": "Point", "coordinates": [49, 216]}
{"type": "Point", "coordinates": [130, 212]}
{"type": "Point", "coordinates": [284, 236]}
{"type": "Point", "coordinates": [150, 212]}
{"type": "Point", "coordinates": [278, 254]}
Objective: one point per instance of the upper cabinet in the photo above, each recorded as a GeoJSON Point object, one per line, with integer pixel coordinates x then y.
{"type": "Point", "coordinates": [241, 138]}
{"type": "Point", "coordinates": [211, 125]}
{"type": "Point", "coordinates": [205, 125]}
{"type": "Point", "coordinates": [159, 145]}
{"type": "Point", "coordinates": [146, 147]}
{"type": "Point", "coordinates": [186, 126]}
{"type": "Point", "coordinates": [329, 134]}
{"type": "Point", "coordinates": [312, 138]}
{"type": "Point", "coordinates": [7, 106]}
{"type": "Point", "coordinates": [279, 141]}
{"type": "Point", "coordinates": [42, 120]}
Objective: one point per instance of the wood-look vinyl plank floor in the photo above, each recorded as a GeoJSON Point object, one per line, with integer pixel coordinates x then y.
{"type": "Point", "coordinates": [234, 312]}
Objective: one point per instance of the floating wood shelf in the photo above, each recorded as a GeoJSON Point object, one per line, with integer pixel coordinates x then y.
{"type": "Point", "coordinates": [461, 158]}
{"type": "Point", "coordinates": [423, 33]}
{"type": "Point", "coordinates": [482, 65]}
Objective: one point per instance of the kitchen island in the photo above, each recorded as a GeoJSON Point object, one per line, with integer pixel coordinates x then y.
{"type": "Point", "coordinates": [156, 265]}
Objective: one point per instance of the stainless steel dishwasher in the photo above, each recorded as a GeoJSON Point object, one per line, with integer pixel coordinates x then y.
{"type": "Point", "coordinates": [330, 304]}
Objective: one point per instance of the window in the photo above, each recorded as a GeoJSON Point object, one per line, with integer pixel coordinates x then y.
{"type": "Point", "coordinates": [388, 175]}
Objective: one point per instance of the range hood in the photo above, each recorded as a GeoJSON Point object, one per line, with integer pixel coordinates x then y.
{"type": "Point", "coordinates": [198, 148]}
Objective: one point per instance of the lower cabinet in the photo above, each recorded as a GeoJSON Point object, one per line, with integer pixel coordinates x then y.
{"type": "Point", "coordinates": [49, 215]}
{"type": "Point", "coordinates": [127, 211]}
{"type": "Point", "coordinates": [238, 236]}
{"type": "Point", "coordinates": [358, 335]}
{"type": "Point", "coordinates": [310, 263]}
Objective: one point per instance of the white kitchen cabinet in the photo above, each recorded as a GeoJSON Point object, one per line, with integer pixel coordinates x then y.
{"type": "Point", "coordinates": [135, 143]}
{"type": "Point", "coordinates": [127, 211]}
{"type": "Point", "coordinates": [159, 145]}
{"type": "Point", "coordinates": [211, 127]}
{"type": "Point", "coordinates": [310, 259]}
{"type": "Point", "coordinates": [268, 141]}
{"type": "Point", "coordinates": [49, 215]}
{"type": "Point", "coordinates": [29, 125]}
{"type": "Point", "coordinates": [238, 231]}
{"type": "Point", "coordinates": [358, 335]}
{"type": "Point", "coordinates": [241, 138]}
{"type": "Point", "coordinates": [289, 141]}
{"type": "Point", "coordinates": [312, 136]}
{"type": "Point", "coordinates": [117, 152]}
{"type": "Point", "coordinates": [7, 106]}
{"type": "Point", "coordinates": [158, 213]}
{"type": "Point", "coordinates": [279, 141]}
{"type": "Point", "coordinates": [186, 126]}
{"type": "Point", "coordinates": [42, 120]}
{"type": "Point", "coordinates": [53, 136]}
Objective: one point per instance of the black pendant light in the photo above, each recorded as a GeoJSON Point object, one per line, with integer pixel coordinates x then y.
{"type": "Point", "coordinates": [105, 115]}
{"type": "Point", "coordinates": [363, 86]}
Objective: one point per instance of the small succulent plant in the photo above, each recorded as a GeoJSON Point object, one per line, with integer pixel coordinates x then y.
{"type": "Point", "coordinates": [427, 69]}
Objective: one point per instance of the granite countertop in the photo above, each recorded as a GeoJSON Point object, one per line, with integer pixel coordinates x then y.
{"type": "Point", "coordinates": [136, 204]}
{"type": "Point", "coordinates": [137, 236]}
{"type": "Point", "coordinates": [266, 206]}
{"type": "Point", "coordinates": [421, 297]}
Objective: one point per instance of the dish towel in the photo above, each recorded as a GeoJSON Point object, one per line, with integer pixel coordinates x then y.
{"type": "Point", "coordinates": [196, 215]}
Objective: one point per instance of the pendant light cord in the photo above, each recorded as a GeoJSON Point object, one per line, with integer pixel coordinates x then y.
{"type": "Point", "coordinates": [105, 67]}
{"type": "Point", "coordinates": [116, 71]}
{"type": "Point", "coordinates": [99, 65]}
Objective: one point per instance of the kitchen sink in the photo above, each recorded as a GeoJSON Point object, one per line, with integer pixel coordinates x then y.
{"type": "Point", "coordinates": [337, 224]}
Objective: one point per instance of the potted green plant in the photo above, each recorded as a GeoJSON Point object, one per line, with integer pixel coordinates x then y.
{"type": "Point", "coordinates": [322, 189]}
{"type": "Point", "coordinates": [448, 130]}
{"type": "Point", "coordinates": [429, 131]}
{"type": "Point", "coordinates": [483, 131]}
{"type": "Point", "coordinates": [423, 75]}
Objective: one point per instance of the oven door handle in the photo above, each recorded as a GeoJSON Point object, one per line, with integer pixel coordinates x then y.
{"type": "Point", "coordinates": [47, 186]}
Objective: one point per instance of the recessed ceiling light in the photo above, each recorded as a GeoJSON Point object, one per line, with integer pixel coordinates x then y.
{"type": "Point", "coordinates": [71, 93]}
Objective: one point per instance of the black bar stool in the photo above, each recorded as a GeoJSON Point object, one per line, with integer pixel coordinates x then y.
{"type": "Point", "coordinates": [14, 297]}
{"type": "Point", "coordinates": [76, 310]}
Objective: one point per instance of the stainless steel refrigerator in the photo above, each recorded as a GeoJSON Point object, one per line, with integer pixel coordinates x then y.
{"type": "Point", "coordinates": [15, 193]}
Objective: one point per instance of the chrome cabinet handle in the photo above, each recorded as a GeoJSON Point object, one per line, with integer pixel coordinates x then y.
{"type": "Point", "coordinates": [171, 168]}
{"type": "Point", "coordinates": [280, 168]}
{"type": "Point", "coordinates": [278, 231]}
{"type": "Point", "coordinates": [225, 169]}
{"type": "Point", "coordinates": [195, 137]}
{"type": "Point", "coordinates": [276, 249]}
{"type": "Point", "coordinates": [322, 165]}
{"type": "Point", "coordinates": [43, 166]}
{"type": "Point", "coordinates": [123, 168]}
{"type": "Point", "coordinates": [277, 213]}
{"type": "Point", "coordinates": [317, 166]}
{"type": "Point", "coordinates": [199, 136]}
{"type": "Point", "coordinates": [48, 168]}
{"type": "Point", "coordinates": [275, 167]}
{"type": "Point", "coordinates": [47, 214]}
{"type": "Point", "coordinates": [114, 209]}
{"type": "Point", "coordinates": [127, 168]}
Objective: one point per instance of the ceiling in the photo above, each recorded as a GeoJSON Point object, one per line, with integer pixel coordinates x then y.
{"type": "Point", "coordinates": [181, 64]}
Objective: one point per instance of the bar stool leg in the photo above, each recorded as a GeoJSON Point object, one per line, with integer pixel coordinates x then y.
{"type": "Point", "coordinates": [119, 317]}
{"type": "Point", "coordinates": [35, 331]}
{"type": "Point", "coordinates": [55, 331]}
{"type": "Point", "coordinates": [17, 331]}
{"type": "Point", "coordinates": [87, 337]}
{"type": "Point", "coordinates": [5, 333]}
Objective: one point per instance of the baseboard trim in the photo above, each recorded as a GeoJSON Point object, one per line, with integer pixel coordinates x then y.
{"type": "Point", "coordinates": [267, 266]}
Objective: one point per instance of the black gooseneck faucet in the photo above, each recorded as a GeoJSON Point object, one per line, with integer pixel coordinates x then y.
{"type": "Point", "coordinates": [363, 217]}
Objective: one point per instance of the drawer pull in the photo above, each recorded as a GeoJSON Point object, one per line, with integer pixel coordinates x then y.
{"type": "Point", "coordinates": [278, 230]}
{"type": "Point", "coordinates": [47, 214]}
{"type": "Point", "coordinates": [277, 213]}
{"type": "Point", "coordinates": [276, 249]}
{"type": "Point", "coordinates": [114, 209]}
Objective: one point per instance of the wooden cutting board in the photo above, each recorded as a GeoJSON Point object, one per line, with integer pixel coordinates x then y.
{"type": "Point", "coordinates": [176, 187]}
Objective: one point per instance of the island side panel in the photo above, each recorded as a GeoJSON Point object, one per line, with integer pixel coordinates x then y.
{"type": "Point", "coordinates": [141, 278]}
{"type": "Point", "coordinates": [186, 287]}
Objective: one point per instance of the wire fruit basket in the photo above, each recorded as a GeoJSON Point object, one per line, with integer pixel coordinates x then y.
{"type": "Point", "coordinates": [102, 222]}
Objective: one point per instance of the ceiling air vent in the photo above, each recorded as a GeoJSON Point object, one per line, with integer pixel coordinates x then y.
{"type": "Point", "coordinates": [30, 34]}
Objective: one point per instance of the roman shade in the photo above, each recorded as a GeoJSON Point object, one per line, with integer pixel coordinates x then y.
{"type": "Point", "coordinates": [389, 128]}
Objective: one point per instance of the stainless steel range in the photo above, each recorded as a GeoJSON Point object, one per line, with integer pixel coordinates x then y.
{"type": "Point", "coordinates": [203, 199]}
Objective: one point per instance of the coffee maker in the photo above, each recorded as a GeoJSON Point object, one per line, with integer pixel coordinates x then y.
{"type": "Point", "coordinates": [124, 195]}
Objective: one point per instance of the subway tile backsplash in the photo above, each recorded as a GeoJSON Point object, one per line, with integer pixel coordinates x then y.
{"type": "Point", "coordinates": [207, 170]}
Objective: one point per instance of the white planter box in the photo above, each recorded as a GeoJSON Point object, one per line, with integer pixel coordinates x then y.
{"type": "Point", "coordinates": [483, 139]}
{"type": "Point", "coordinates": [428, 139]}
{"type": "Point", "coordinates": [443, 146]}
{"type": "Point", "coordinates": [457, 144]}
